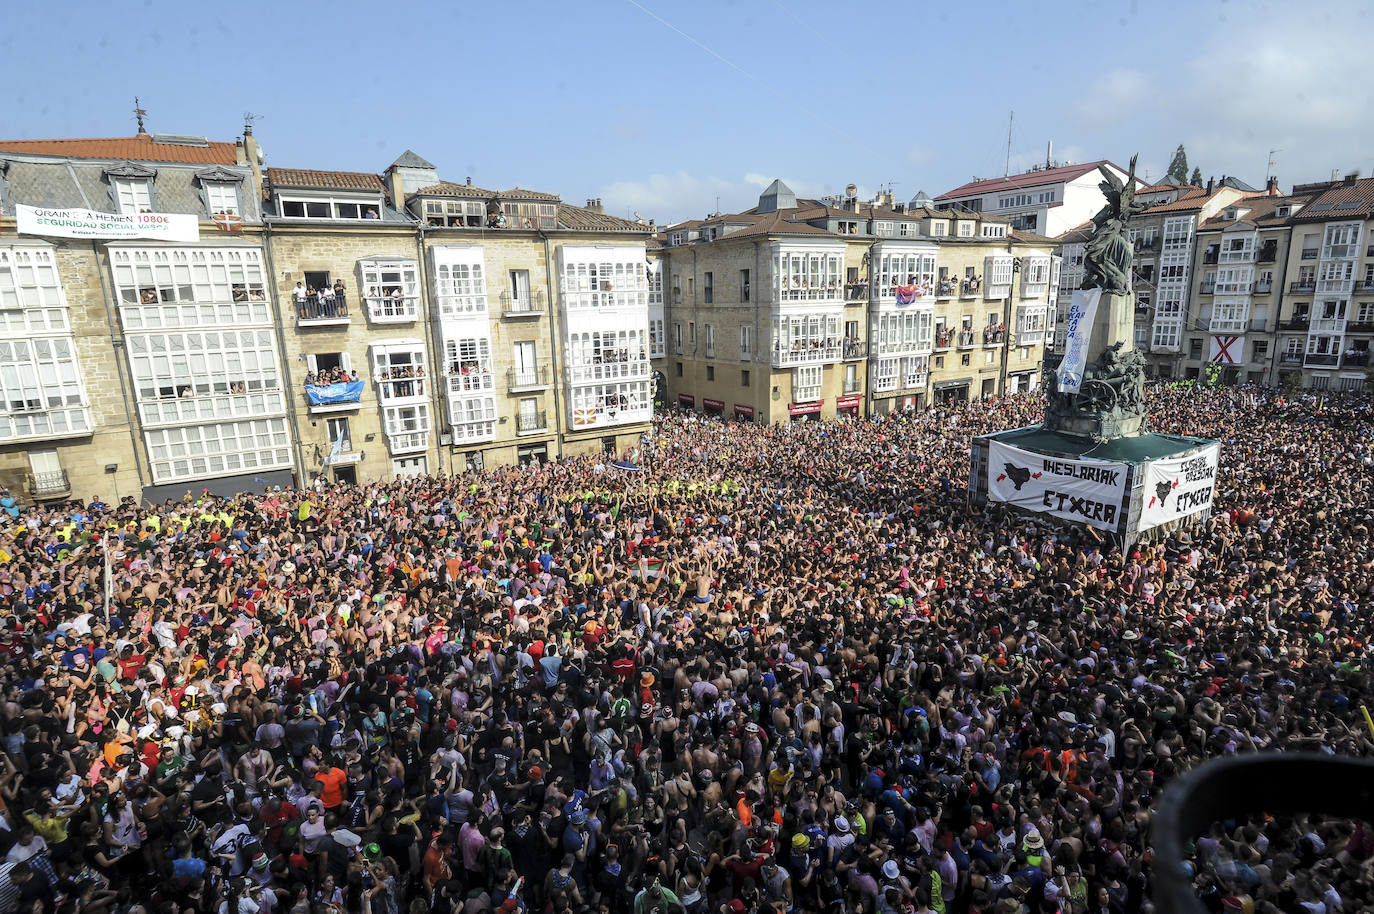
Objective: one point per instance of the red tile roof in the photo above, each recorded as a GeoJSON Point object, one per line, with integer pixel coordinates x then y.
{"type": "Point", "coordinates": [1029, 179]}
{"type": "Point", "coordinates": [1191, 201]}
{"type": "Point", "coordinates": [1260, 212]}
{"type": "Point", "coordinates": [1343, 201]}
{"type": "Point", "coordinates": [140, 148]}
{"type": "Point", "coordinates": [343, 180]}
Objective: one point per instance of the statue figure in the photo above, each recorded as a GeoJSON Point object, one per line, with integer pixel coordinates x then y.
{"type": "Point", "coordinates": [1107, 255]}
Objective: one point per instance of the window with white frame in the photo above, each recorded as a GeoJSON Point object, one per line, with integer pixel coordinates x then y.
{"type": "Point", "coordinates": [806, 337]}
{"type": "Point", "coordinates": [30, 292]}
{"type": "Point", "coordinates": [653, 274]}
{"type": "Point", "coordinates": [472, 418]}
{"type": "Point", "coordinates": [399, 369]}
{"type": "Point", "coordinates": [467, 362]}
{"type": "Point", "coordinates": [1237, 249]}
{"type": "Point", "coordinates": [884, 375]}
{"type": "Point", "coordinates": [656, 337]}
{"type": "Point", "coordinates": [1364, 313]}
{"type": "Point", "coordinates": [1035, 275]}
{"type": "Point", "coordinates": [938, 228]}
{"type": "Point", "coordinates": [904, 269]}
{"type": "Point", "coordinates": [965, 229]}
{"type": "Point", "coordinates": [160, 287]}
{"type": "Point", "coordinates": [806, 384]}
{"type": "Point", "coordinates": [1341, 240]}
{"type": "Point", "coordinates": [914, 370]}
{"type": "Point", "coordinates": [406, 427]}
{"type": "Point", "coordinates": [883, 229]}
{"type": "Point", "coordinates": [619, 283]}
{"type": "Point", "coordinates": [1166, 335]}
{"type": "Point", "coordinates": [202, 363]}
{"type": "Point", "coordinates": [39, 374]}
{"type": "Point", "coordinates": [1170, 306]}
{"type": "Point", "coordinates": [606, 354]}
{"type": "Point", "coordinates": [391, 289]}
{"type": "Point", "coordinates": [1178, 231]}
{"type": "Point", "coordinates": [461, 286]}
{"type": "Point", "coordinates": [746, 342]}
{"type": "Point", "coordinates": [710, 341]}
{"type": "Point", "coordinates": [1335, 275]}
{"type": "Point", "coordinates": [807, 275]}
{"type": "Point", "coordinates": [1233, 280]}
{"type": "Point", "coordinates": [1230, 315]}
{"type": "Point", "coordinates": [133, 195]}
{"type": "Point", "coordinates": [605, 404]}
{"type": "Point", "coordinates": [901, 331]}
{"type": "Point", "coordinates": [999, 273]}
{"type": "Point", "coordinates": [190, 451]}
{"type": "Point", "coordinates": [1030, 325]}
{"type": "Point", "coordinates": [677, 338]}
{"type": "Point", "coordinates": [222, 197]}
{"type": "Point", "coordinates": [342, 208]}
{"type": "Point", "coordinates": [994, 230]}
{"type": "Point", "coordinates": [456, 213]}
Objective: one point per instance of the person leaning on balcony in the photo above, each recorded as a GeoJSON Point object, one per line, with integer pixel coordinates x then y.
{"type": "Point", "coordinates": [339, 290]}
{"type": "Point", "coordinates": [299, 294]}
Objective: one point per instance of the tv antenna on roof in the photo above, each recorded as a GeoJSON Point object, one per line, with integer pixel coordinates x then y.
{"type": "Point", "coordinates": [1269, 166]}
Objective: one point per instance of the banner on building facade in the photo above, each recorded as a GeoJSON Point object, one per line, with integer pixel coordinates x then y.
{"type": "Point", "coordinates": [85, 223]}
{"type": "Point", "coordinates": [1176, 487]}
{"type": "Point", "coordinates": [1082, 313]}
{"type": "Point", "coordinates": [1082, 491]}
{"type": "Point", "coordinates": [1226, 349]}
{"type": "Point", "coordinates": [342, 392]}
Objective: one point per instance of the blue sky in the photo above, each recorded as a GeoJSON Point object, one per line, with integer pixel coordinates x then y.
{"type": "Point", "coordinates": [661, 107]}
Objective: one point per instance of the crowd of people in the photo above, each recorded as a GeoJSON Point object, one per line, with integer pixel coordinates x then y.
{"type": "Point", "coordinates": [333, 375]}
{"type": "Point", "coordinates": [771, 669]}
{"type": "Point", "coordinates": [325, 302]}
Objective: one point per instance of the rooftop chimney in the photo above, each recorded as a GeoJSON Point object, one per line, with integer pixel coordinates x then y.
{"type": "Point", "coordinates": [1211, 182]}
{"type": "Point", "coordinates": [469, 180]}
{"type": "Point", "coordinates": [1271, 187]}
{"type": "Point", "coordinates": [1351, 178]}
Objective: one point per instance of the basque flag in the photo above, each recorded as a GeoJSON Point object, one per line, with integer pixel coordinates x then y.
{"type": "Point", "coordinates": [906, 294]}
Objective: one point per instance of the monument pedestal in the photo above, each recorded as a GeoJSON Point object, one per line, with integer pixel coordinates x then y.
{"type": "Point", "coordinates": [1091, 463]}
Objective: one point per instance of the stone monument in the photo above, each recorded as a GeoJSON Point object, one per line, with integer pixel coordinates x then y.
{"type": "Point", "coordinates": [1092, 463]}
{"type": "Point", "coordinates": [1109, 401]}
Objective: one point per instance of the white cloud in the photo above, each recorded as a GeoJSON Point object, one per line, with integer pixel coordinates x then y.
{"type": "Point", "coordinates": [1246, 98]}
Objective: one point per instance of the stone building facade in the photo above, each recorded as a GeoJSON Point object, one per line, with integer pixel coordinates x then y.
{"type": "Point", "coordinates": [325, 326]}
{"type": "Point", "coordinates": [799, 308]}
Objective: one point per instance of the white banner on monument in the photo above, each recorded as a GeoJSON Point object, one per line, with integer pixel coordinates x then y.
{"type": "Point", "coordinates": [85, 223]}
{"type": "Point", "coordinates": [1083, 491]}
{"type": "Point", "coordinates": [1176, 487]}
{"type": "Point", "coordinates": [1082, 313]}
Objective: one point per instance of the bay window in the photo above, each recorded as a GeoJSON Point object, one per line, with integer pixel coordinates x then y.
{"type": "Point", "coordinates": [461, 286]}
{"type": "Point", "coordinates": [807, 276]}
{"type": "Point", "coordinates": [391, 289]}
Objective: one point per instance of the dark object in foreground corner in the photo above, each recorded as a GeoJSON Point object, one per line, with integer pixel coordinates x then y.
{"type": "Point", "coordinates": [1272, 782]}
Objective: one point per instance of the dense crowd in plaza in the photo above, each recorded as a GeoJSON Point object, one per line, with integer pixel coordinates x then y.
{"type": "Point", "coordinates": [774, 669]}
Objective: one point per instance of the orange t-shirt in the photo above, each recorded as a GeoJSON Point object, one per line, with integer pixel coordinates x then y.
{"type": "Point", "coordinates": [333, 780]}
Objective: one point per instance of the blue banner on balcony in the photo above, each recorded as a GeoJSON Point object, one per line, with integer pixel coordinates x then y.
{"type": "Point", "coordinates": [325, 394]}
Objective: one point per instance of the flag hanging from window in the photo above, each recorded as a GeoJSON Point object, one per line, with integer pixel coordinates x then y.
{"type": "Point", "coordinates": [228, 222]}
{"type": "Point", "coordinates": [906, 294]}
